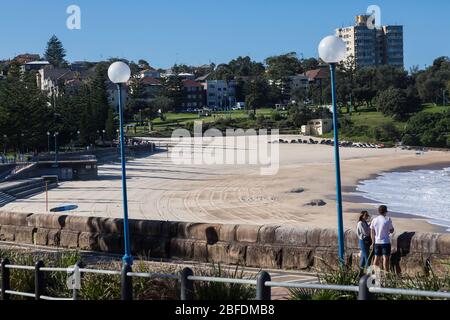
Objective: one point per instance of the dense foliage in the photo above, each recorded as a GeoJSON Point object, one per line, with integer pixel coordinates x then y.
{"type": "Point", "coordinates": [27, 114]}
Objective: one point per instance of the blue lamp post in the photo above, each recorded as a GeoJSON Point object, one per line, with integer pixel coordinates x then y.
{"type": "Point", "coordinates": [119, 73]}
{"type": "Point", "coordinates": [332, 50]}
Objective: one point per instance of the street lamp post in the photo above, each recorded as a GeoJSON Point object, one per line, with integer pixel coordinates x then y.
{"type": "Point", "coordinates": [119, 73]}
{"type": "Point", "coordinates": [332, 50]}
{"type": "Point", "coordinates": [56, 148]}
{"type": "Point", "coordinates": [78, 138]}
{"type": "Point", "coordinates": [48, 142]}
{"type": "Point", "coordinates": [5, 137]}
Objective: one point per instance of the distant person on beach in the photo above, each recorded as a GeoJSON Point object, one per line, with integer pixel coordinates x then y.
{"type": "Point", "coordinates": [365, 240]}
{"type": "Point", "coordinates": [381, 230]}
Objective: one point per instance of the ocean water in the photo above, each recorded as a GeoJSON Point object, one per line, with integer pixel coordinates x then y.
{"type": "Point", "coordinates": [424, 193]}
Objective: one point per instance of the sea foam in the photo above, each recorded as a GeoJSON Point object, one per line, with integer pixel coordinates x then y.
{"type": "Point", "coordinates": [424, 193]}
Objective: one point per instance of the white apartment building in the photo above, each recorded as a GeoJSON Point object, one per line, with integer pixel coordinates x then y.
{"type": "Point", "coordinates": [220, 94]}
{"type": "Point", "coordinates": [372, 47]}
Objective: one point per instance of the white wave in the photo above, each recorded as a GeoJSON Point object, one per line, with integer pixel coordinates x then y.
{"type": "Point", "coordinates": [423, 193]}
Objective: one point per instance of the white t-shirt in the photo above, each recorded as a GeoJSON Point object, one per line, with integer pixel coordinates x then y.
{"type": "Point", "coordinates": [382, 226]}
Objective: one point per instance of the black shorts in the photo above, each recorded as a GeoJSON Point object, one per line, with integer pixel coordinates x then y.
{"type": "Point", "coordinates": [382, 250]}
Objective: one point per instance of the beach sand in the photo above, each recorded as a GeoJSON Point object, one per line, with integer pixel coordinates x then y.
{"type": "Point", "coordinates": [238, 194]}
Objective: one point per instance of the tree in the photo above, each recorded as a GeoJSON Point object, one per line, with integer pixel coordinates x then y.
{"type": "Point", "coordinates": [173, 91]}
{"type": "Point", "coordinates": [428, 129]}
{"type": "Point", "coordinates": [110, 125]}
{"type": "Point", "coordinates": [144, 64]}
{"type": "Point", "coordinates": [279, 67]}
{"type": "Point", "coordinates": [24, 113]}
{"type": "Point", "coordinates": [163, 103]}
{"type": "Point", "coordinates": [299, 115]}
{"type": "Point", "coordinates": [241, 67]}
{"type": "Point", "coordinates": [395, 102]}
{"type": "Point", "coordinates": [55, 52]}
{"type": "Point", "coordinates": [432, 81]}
{"type": "Point", "coordinates": [257, 93]}
{"type": "Point", "coordinates": [309, 64]}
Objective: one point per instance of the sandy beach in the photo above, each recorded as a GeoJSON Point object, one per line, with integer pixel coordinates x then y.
{"type": "Point", "coordinates": [160, 189]}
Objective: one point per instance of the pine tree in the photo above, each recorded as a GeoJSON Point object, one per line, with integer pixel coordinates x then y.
{"type": "Point", "coordinates": [55, 52]}
{"type": "Point", "coordinates": [110, 125]}
{"type": "Point", "coordinates": [99, 97]}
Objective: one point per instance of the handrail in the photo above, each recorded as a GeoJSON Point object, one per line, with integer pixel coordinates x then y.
{"type": "Point", "coordinates": [191, 278]}
{"type": "Point", "coordinates": [411, 292]}
{"type": "Point", "coordinates": [222, 280]}
{"type": "Point", "coordinates": [312, 286]}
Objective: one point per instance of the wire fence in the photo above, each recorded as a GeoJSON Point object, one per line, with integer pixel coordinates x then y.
{"type": "Point", "coordinates": [263, 283]}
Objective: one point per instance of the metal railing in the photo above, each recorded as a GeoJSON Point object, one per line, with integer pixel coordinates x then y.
{"type": "Point", "coordinates": [186, 278]}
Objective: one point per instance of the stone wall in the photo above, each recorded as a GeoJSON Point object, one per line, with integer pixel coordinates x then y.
{"type": "Point", "coordinates": [268, 247]}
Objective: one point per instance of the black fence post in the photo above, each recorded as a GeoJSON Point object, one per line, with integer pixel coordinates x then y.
{"type": "Point", "coordinates": [38, 280]}
{"type": "Point", "coordinates": [262, 291]}
{"type": "Point", "coordinates": [363, 292]}
{"type": "Point", "coordinates": [187, 286]}
{"type": "Point", "coordinates": [127, 283]}
{"type": "Point", "coordinates": [6, 279]}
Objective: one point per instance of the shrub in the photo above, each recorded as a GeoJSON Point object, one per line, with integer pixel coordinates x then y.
{"type": "Point", "coordinates": [223, 291]}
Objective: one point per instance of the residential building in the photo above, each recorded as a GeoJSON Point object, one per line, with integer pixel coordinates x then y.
{"type": "Point", "coordinates": [3, 69]}
{"type": "Point", "coordinates": [185, 75]}
{"type": "Point", "coordinates": [80, 66]}
{"type": "Point", "coordinates": [317, 127]}
{"type": "Point", "coordinates": [34, 65]}
{"type": "Point", "coordinates": [151, 87]}
{"type": "Point", "coordinates": [194, 96]}
{"type": "Point", "coordinates": [373, 46]}
{"type": "Point", "coordinates": [27, 57]}
{"type": "Point", "coordinates": [299, 81]}
{"type": "Point", "coordinates": [50, 78]}
{"type": "Point", "coordinates": [317, 75]}
{"type": "Point", "coordinates": [150, 73]}
{"type": "Point", "coordinates": [220, 94]}
{"type": "Point", "coordinates": [204, 78]}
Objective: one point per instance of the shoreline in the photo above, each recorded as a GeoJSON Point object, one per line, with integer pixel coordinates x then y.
{"type": "Point", "coordinates": [357, 197]}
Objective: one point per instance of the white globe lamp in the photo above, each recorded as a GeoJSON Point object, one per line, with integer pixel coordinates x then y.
{"type": "Point", "coordinates": [119, 72]}
{"type": "Point", "coordinates": [332, 49]}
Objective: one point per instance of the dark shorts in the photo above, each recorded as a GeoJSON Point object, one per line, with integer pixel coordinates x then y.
{"type": "Point", "coordinates": [382, 250]}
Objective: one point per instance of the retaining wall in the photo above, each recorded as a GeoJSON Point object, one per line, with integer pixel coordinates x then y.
{"type": "Point", "coordinates": [253, 246]}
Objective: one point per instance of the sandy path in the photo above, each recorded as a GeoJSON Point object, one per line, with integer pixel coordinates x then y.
{"type": "Point", "coordinates": [160, 189]}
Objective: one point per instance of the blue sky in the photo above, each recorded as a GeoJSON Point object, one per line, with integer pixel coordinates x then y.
{"type": "Point", "coordinates": [165, 32]}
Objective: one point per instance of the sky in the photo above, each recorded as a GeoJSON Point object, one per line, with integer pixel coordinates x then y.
{"type": "Point", "coordinates": [195, 32]}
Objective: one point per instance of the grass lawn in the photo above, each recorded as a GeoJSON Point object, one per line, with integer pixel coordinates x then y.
{"type": "Point", "coordinates": [176, 120]}
{"type": "Point", "coordinates": [373, 119]}
{"type": "Point", "coordinates": [435, 109]}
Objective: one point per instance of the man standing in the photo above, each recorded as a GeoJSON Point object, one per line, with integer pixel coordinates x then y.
{"type": "Point", "coordinates": [381, 229]}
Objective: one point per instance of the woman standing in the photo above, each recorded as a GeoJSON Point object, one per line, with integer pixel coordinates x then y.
{"type": "Point", "coordinates": [365, 241]}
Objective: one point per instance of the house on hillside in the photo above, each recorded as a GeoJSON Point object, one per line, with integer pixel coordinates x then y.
{"type": "Point", "coordinates": [26, 58]}
{"type": "Point", "coordinates": [220, 94]}
{"type": "Point", "coordinates": [49, 79]}
{"type": "Point", "coordinates": [150, 73]}
{"type": "Point", "coordinates": [316, 76]}
{"type": "Point", "coordinates": [34, 66]}
{"type": "Point", "coordinates": [194, 96]}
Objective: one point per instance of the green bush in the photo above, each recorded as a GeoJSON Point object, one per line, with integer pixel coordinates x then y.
{"type": "Point", "coordinates": [223, 291]}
